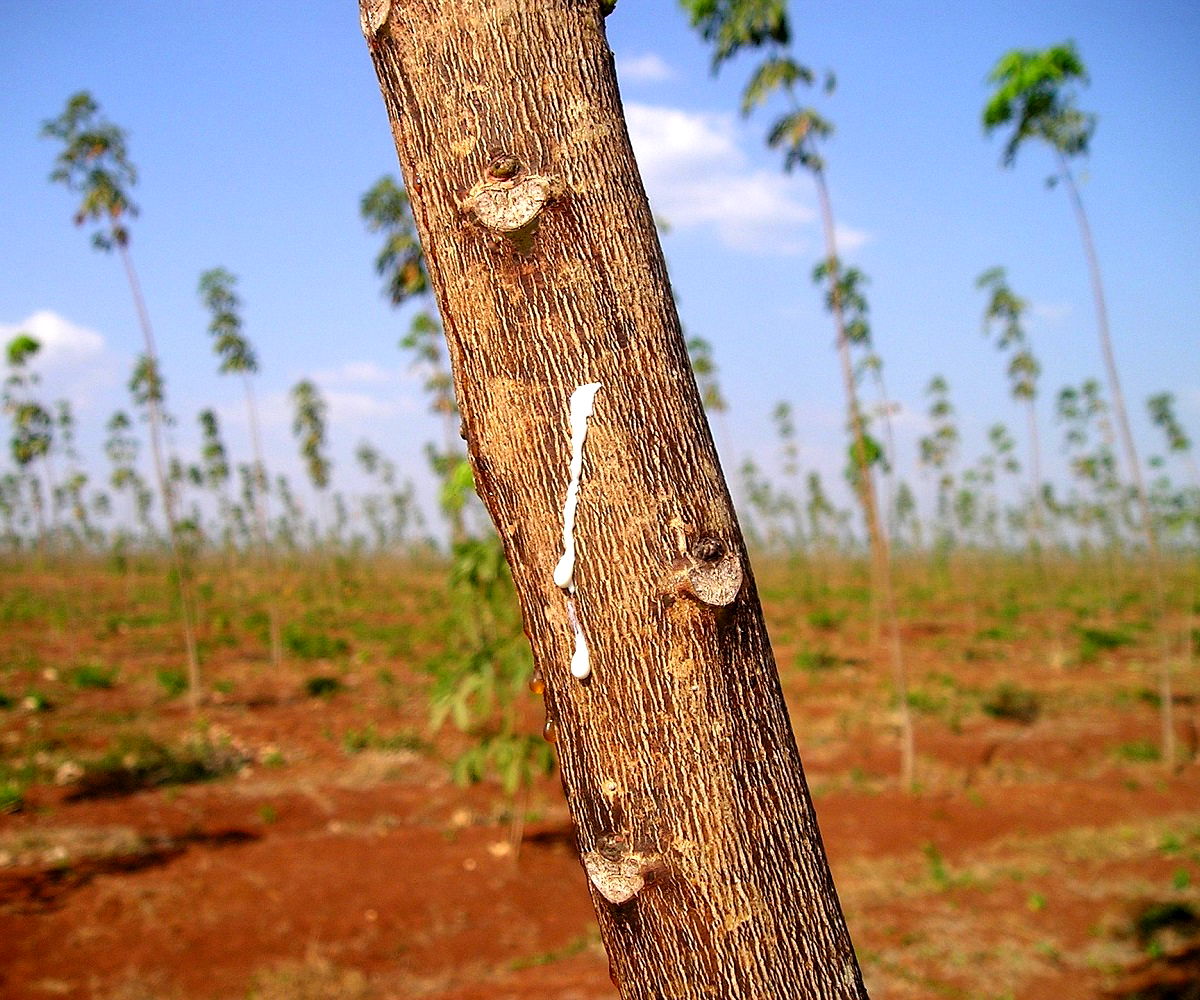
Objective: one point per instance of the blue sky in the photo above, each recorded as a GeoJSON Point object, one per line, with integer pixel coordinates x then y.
{"type": "Point", "coordinates": [256, 129]}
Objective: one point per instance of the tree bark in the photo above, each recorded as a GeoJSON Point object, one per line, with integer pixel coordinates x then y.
{"type": "Point", "coordinates": [678, 760]}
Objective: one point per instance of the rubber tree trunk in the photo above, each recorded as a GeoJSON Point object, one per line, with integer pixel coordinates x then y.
{"type": "Point", "coordinates": [678, 761]}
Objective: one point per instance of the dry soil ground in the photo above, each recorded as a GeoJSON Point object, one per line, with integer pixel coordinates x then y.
{"type": "Point", "coordinates": [1047, 854]}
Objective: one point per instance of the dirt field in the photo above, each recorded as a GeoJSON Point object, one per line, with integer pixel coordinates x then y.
{"type": "Point", "coordinates": [1047, 855]}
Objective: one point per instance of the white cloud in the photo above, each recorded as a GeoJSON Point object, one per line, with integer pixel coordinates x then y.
{"type": "Point", "coordinates": [64, 345]}
{"type": "Point", "coordinates": [74, 362]}
{"type": "Point", "coordinates": [697, 175]}
{"type": "Point", "coordinates": [649, 68]}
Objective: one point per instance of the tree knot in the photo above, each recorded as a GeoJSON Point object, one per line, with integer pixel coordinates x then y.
{"type": "Point", "coordinates": [617, 870]}
{"type": "Point", "coordinates": [507, 199]}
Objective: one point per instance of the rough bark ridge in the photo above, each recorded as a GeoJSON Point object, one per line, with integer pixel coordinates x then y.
{"type": "Point", "coordinates": [678, 760]}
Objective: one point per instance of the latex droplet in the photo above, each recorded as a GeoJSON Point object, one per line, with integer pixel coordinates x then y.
{"type": "Point", "coordinates": [550, 731]}
{"type": "Point", "coordinates": [536, 683]}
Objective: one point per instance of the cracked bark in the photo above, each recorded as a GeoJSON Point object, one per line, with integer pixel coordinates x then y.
{"type": "Point", "coordinates": [677, 756]}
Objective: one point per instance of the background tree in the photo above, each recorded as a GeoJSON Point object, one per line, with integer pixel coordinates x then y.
{"type": "Point", "coordinates": [32, 430]}
{"type": "Point", "coordinates": [531, 266]}
{"type": "Point", "coordinates": [385, 209]}
{"type": "Point", "coordinates": [1035, 98]}
{"type": "Point", "coordinates": [94, 164]}
{"type": "Point", "coordinates": [1002, 322]}
{"type": "Point", "coordinates": [238, 358]}
{"type": "Point", "coordinates": [797, 133]}
{"type": "Point", "coordinates": [309, 428]}
{"type": "Point", "coordinates": [1162, 413]}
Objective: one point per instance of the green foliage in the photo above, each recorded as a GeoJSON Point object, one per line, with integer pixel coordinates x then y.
{"type": "Point", "coordinates": [20, 349]}
{"type": "Point", "coordinates": [215, 467]}
{"type": "Point", "coordinates": [796, 134]}
{"type": "Point", "coordinates": [94, 164]}
{"type": "Point", "coordinates": [308, 426]}
{"type": "Point", "coordinates": [1033, 95]}
{"type": "Point", "coordinates": [773, 74]}
{"type": "Point", "coordinates": [136, 762]}
{"type": "Point", "coordinates": [385, 208]}
{"type": "Point", "coordinates": [32, 424]}
{"type": "Point", "coordinates": [1093, 641]}
{"type": "Point", "coordinates": [92, 675]}
{"type": "Point", "coordinates": [515, 758]}
{"type": "Point", "coordinates": [218, 296]}
{"type": "Point", "coordinates": [484, 668]}
{"type": "Point", "coordinates": [146, 385]}
{"type": "Point", "coordinates": [12, 797]}
{"type": "Point", "coordinates": [368, 738]}
{"type": "Point", "coordinates": [1002, 321]}
{"type": "Point", "coordinates": [732, 25]}
{"type": "Point", "coordinates": [826, 619]}
{"type": "Point", "coordinates": [705, 370]}
{"type": "Point", "coordinates": [815, 660]}
{"type": "Point", "coordinates": [1162, 413]}
{"type": "Point", "coordinates": [173, 682]}
{"type": "Point", "coordinates": [307, 644]}
{"type": "Point", "coordinates": [1012, 702]}
{"type": "Point", "coordinates": [1138, 752]}
{"type": "Point", "coordinates": [323, 686]}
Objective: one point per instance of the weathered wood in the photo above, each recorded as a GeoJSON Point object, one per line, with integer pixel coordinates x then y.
{"type": "Point", "coordinates": [677, 756]}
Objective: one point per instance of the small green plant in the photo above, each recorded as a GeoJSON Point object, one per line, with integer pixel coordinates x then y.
{"type": "Point", "coordinates": [1138, 752]}
{"type": "Point", "coordinates": [309, 645]}
{"type": "Point", "coordinates": [12, 797]}
{"type": "Point", "coordinates": [1094, 641]}
{"type": "Point", "coordinates": [938, 871]}
{"type": "Point", "coordinates": [136, 762]}
{"type": "Point", "coordinates": [1009, 701]}
{"type": "Point", "coordinates": [323, 686]}
{"type": "Point", "coordinates": [816, 660]}
{"type": "Point", "coordinates": [368, 738]}
{"type": "Point", "coordinates": [926, 703]}
{"type": "Point", "coordinates": [485, 668]}
{"type": "Point", "coordinates": [173, 682]}
{"type": "Point", "coordinates": [92, 675]}
{"type": "Point", "coordinates": [826, 619]}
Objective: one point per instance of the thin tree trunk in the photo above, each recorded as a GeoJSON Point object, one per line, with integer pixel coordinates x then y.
{"type": "Point", "coordinates": [1166, 693]}
{"type": "Point", "coordinates": [678, 761]}
{"type": "Point", "coordinates": [165, 489]}
{"type": "Point", "coordinates": [1037, 511]}
{"type": "Point", "coordinates": [262, 516]}
{"type": "Point", "coordinates": [881, 570]}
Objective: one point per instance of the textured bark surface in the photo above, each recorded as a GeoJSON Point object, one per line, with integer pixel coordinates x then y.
{"type": "Point", "coordinates": [677, 756]}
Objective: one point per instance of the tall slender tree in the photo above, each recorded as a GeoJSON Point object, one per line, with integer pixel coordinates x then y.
{"type": "Point", "coordinates": [798, 133]}
{"type": "Point", "coordinates": [1002, 318]}
{"type": "Point", "coordinates": [94, 164]}
{"type": "Point", "coordinates": [572, 376]}
{"type": "Point", "coordinates": [32, 430]}
{"type": "Point", "coordinates": [309, 427]}
{"type": "Point", "coordinates": [1035, 99]}
{"type": "Point", "coordinates": [217, 292]}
